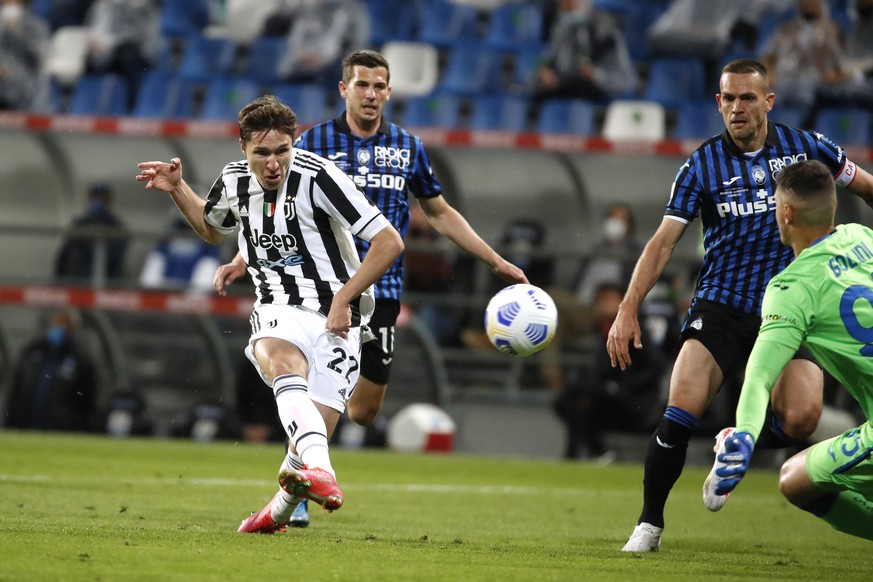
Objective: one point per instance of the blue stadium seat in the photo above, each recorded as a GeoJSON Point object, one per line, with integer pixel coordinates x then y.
{"type": "Point", "coordinates": [471, 69]}
{"type": "Point", "coordinates": [226, 96]}
{"type": "Point", "coordinates": [443, 23]}
{"type": "Point", "coordinates": [499, 112]}
{"type": "Point", "coordinates": [566, 116]}
{"type": "Point", "coordinates": [263, 59]}
{"type": "Point", "coordinates": [635, 17]}
{"type": "Point", "coordinates": [527, 61]}
{"type": "Point", "coordinates": [391, 20]}
{"type": "Point", "coordinates": [845, 126]}
{"type": "Point", "coordinates": [513, 26]}
{"type": "Point", "coordinates": [792, 115]}
{"type": "Point", "coordinates": [674, 80]}
{"type": "Point", "coordinates": [160, 95]}
{"type": "Point", "coordinates": [308, 100]}
{"type": "Point", "coordinates": [99, 95]}
{"type": "Point", "coordinates": [203, 58]}
{"type": "Point", "coordinates": [440, 111]}
{"type": "Point", "coordinates": [181, 18]}
{"type": "Point", "coordinates": [698, 120]}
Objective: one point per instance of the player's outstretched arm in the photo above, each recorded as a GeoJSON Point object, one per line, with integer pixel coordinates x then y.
{"type": "Point", "coordinates": [451, 224]}
{"type": "Point", "coordinates": [167, 177]}
{"type": "Point", "coordinates": [626, 328]}
{"type": "Point", "coordinates": [228, 273]}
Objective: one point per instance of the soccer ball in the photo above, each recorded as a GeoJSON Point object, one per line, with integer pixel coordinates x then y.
{"type": "Point", "coordinates": [520, 320]}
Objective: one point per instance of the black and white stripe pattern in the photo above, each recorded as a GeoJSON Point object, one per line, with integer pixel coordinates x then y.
{"type": "Point", "coordinates": [297, 241]}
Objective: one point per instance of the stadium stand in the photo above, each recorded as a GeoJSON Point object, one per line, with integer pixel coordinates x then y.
{"type": "Point", "coordinates": [845, 125]}
{"type": "Point", "coordinates": [567, 116]}
{"type": "Point", "coordinates": [499, 112]}
{"type": "Point", "coordinates": [99, 95]}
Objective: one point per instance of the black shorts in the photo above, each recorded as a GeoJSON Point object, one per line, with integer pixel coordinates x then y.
{"type": "Point", "coordinates": [377, 354]}
{"type": "Point", "coordinates": [728, 334]}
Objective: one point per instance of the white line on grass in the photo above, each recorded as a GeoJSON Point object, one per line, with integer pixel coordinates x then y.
{"type": "Point", "coordinates": [395, 487]}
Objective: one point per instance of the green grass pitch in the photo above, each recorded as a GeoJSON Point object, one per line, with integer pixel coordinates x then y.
{"type": "Point", "coordinates": [94, 508]}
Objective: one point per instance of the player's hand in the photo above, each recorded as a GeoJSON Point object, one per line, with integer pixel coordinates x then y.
{"type": "Point", "coordinates": [736, 458]}
{"type": "Point", "coordinates": [625, 329]}
{"type": "Point", "coordinates": [509, 272]}
{"type": "Point", "coordinates": [227, 274]}
{"type": "Point", "coordinates": [339, 319]}
{"type": "Point", "coordinates": [161, 175]}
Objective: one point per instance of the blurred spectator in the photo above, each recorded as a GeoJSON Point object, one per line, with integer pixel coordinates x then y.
{"type": "Point", "coordinates": [68, 13]}
{"type": "Point", "coordinates": [803, 58]}
{"type": "Point", "coordinates": [606, 398]}
{"type": "Point", "coordinates": [24, 39]}
{"type": "Point", "coordinates": [319, 33]}
{"type": "Point", "coordinates": [181, 261]}
{"type": "Point", "coordinates": [429, 270]}
{"type": "Point", "coordinates": [616, 254]}
{"type": "Point", "coordinates": [858, 56]}
{"type": "Point", "coordinates": [859, 45]}
{"type": "Point", "coordinates": [587, 57]}
{"type": "Point", "coordinates": [54, 386]}
{"type": "Point", "coordinates": [95, 247]}
{"type": "Point", "coordinates": [124, 39]}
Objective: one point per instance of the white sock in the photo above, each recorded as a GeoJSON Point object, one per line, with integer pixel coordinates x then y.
{"type": "Point", "coordinates": [284, 503]}
{"type": "Point", "coordinates": [302, 421]}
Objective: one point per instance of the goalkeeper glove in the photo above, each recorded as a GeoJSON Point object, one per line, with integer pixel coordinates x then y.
{"type": "Point", "coordinates": [739, 447]}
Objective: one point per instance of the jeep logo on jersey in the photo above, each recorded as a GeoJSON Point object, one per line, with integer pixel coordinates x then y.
{"type": "Point", "coordinates": [282, 242]}
{"type": "Point", "coordinates": [392, 157]}
{"type": "Point", "coordinates": [777, 164]}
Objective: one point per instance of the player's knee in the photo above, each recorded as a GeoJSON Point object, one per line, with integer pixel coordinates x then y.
{"type": "Point", "coordinates": [800, 419]}
{"type": "Point", "coordinates": [792, 477]}
{"type": "Point", "coordinates": [364, 415]}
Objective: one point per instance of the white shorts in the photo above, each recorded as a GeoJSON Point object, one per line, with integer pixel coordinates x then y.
{"type": "Point", "coordinates": [334, 362]}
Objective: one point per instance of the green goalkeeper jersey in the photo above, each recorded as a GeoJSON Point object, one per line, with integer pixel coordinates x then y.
{"type": "Point", "coordinates": [824, 299]}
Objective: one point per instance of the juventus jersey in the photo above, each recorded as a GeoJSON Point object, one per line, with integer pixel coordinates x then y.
{"type": "Point", "coordinates": [387, 166]}
{"type": "Point", "coordinates": [733, 193]}
{"type": "Point", "coordinates": [297, 240]}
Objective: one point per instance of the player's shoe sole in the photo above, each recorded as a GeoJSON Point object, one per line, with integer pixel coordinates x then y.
{"type": "Point", "coordinates": [712, 501]}
{"type": "Point", "coordinates": [313, 484]}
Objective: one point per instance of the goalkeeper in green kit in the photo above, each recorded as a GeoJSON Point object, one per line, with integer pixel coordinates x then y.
{"type": "Point", "coordinates": [824, 300]}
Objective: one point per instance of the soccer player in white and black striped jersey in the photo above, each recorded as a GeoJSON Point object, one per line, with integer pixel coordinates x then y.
{"type": "Point", "coordinates": [391, 166]}
{"type": "Point", "coordinates": [296, 213]}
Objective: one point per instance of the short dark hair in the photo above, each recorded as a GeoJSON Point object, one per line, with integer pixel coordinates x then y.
{"type": "Point", "coordinates": [367, 58]}
{"type": "Point", "coordinates": [805, 179]}
{"type": "Point", "coordinates": [746, 67]}
{"type": "Point", "coordinates": [811, 190]}
{"type": "Point", "coordinates": [264, 114]}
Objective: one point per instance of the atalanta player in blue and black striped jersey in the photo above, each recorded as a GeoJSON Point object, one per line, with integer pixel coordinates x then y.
{"type": "Point", "coordinates": [729, 184]}
{"type": "Point", "coordinates": [389, 164]}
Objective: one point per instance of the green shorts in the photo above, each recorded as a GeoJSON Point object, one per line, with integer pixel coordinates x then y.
{"type": "Point", "coordinates": [844, 462]}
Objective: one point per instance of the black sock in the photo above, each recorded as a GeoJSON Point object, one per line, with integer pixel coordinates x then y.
{"type": "Point", "coordinates": [665, 459]}
{"type": "Point", "coordinates": [772, 435]}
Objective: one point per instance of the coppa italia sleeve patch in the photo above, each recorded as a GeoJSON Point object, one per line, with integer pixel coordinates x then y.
{"type": "Point", "coordinates": [846, 175]}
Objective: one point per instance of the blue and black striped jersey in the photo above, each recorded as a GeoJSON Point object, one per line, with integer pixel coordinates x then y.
{"type": "Point", "coordinates": [387, 166]}
{"type": "Point", "coordinates": [732, 192]}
